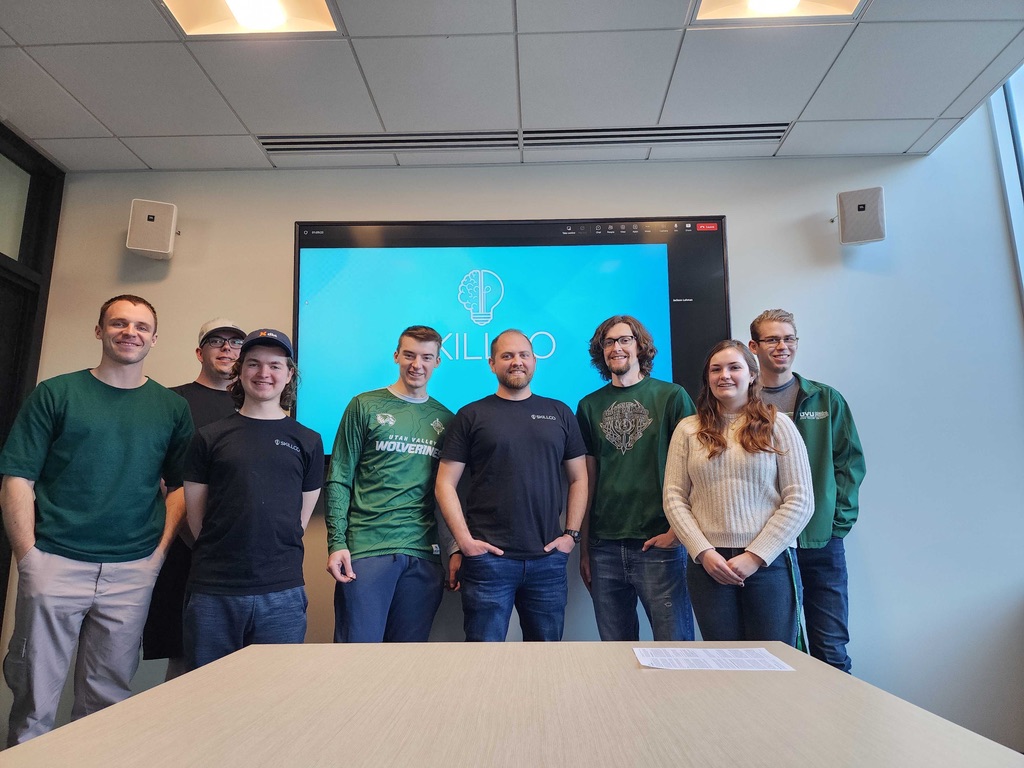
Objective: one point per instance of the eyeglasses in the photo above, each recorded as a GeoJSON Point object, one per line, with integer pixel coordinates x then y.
{"type": "Point", "coordinates": [622, 341]}
{"type": "Point", "coordinates": [220, 341]}
{"type": "Point", "coordinates": [773, 341]}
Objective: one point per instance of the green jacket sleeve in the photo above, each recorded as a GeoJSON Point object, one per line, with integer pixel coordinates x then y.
{"type": "Point", "coordinates": [348, 447]}
{"type": "Point", "coordinates": [848, 460]}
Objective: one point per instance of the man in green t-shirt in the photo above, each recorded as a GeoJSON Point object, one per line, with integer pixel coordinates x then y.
{"type": "Point", "coordinates": [627, 549]}
{"type": "Point", "coordinates": [382, 533]}
{"type": "Point", "coordinates": [87, 521]}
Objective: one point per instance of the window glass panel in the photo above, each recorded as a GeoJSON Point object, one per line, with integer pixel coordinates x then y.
{"type": "Point", "coordinates": [13, 197]}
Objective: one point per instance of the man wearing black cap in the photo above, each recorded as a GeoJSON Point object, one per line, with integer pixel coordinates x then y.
{"type": "Point", "coordinates": [251, 482]}
{"type": "Point", "coordinates": [208, 399]}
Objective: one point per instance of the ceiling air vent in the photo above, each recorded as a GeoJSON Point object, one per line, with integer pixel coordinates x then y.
{"type": "Point", "coordinates": [556, 138]}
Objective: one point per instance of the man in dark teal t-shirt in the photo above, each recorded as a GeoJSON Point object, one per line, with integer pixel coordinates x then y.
{"type": "Point", "coordinates": [628, 552]}
{"type": "Point", "coordinates": [87, 522]}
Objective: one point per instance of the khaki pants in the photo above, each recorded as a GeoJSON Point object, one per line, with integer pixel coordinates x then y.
{"type": "Point", "coordinates": [101, 608]}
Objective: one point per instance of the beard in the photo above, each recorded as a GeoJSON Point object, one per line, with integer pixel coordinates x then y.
{"type": "Point", "coordinates": [516, 380]}
{"type": "Point", "coordinates": [619, 367]}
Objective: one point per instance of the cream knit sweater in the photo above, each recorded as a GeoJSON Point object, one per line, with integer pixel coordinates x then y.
{"type": "Point", "coordinates": [756, 501]}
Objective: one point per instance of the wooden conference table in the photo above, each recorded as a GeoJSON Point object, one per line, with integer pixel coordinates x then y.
{"type": "Point", "coordinates": [507, 704]}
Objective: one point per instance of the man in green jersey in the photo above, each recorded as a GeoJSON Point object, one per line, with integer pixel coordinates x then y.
{"type": "Point", "coordinates": [381, 522]}
{"type": "Point", "coordinates": [628, 551]}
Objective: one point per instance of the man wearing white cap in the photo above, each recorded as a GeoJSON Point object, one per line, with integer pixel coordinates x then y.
{"type": "Point", "coordinates": [208, 399]}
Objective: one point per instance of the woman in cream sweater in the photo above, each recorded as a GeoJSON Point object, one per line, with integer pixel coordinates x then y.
{"type": "Point", "coordinates": [737, 493]}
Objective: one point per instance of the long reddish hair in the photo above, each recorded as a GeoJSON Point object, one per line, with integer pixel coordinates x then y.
{"type": "Point", "coordinates": [755, 432]}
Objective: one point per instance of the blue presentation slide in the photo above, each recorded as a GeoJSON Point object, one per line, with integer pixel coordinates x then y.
{"type": "Point", "coordinates": [354, 303]}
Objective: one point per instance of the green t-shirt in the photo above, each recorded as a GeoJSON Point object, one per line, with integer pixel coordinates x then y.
{"type": "Point", "coordinates": [96, 454]}
{"type": "Point", "coordinates": [380, 487]}
{"type": "Point", "coordinates": [627, 431]}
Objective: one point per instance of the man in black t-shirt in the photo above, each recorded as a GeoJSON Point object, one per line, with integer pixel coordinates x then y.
{"type": "Point", "coordinates": [251, 482]}
{"type": "Point", "coordinates": [512, 550]}
{"type": "Point", "coordinates": [209, 401]}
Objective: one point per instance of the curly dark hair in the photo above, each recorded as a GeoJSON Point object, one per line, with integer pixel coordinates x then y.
{"type": "Point", "coordinates": [645, 349]}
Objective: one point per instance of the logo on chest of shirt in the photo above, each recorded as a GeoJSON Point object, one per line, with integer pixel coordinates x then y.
{"type": "Point", "coordinates": [385, 419]}
{"type": "Point", "coordinates": [288, 445]}
{"type": "Point", "coordinates": [543, 416]}
{"type": "Point", "coordinates": [624, 423]}
{"type": "Point", "coordinates": [437, 425]}
{"type": "Point", "coordinates": [814, 415]}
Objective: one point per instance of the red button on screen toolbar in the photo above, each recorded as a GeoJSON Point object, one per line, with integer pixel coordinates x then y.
{"type": "Point", "coordinates": [708, 226]}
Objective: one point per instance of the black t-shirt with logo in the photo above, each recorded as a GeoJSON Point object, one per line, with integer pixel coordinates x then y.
{"type": "Point", "coordinates": [514, 450]}
{"type": "Point", "coordinates": [256, 471]}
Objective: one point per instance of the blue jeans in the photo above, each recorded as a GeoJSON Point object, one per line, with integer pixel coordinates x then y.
{"type": "Point", "coordinates": [826, 602]}
{"type": "Point", "coordinates": [765, 608]}
{"type": "Point", "coordinates": [492, 585]}
{"type": "Point", "coordinates": [216, 625]}
{"type": "Point", "coordinates": [393, 599]}
{"type": "Point", "coordinates": [620, 573]}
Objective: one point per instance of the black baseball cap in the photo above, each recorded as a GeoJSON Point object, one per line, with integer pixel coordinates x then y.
{"type": "Point", "coordinates": [268, 337]}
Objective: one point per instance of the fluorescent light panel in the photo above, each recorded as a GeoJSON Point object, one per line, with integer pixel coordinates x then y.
{"type": "Point", "coordinates": [719, 10]}
{"type": "Point", "coordinates": [247, 17]}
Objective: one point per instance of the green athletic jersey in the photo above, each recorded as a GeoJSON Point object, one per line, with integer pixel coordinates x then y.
{"type": "Point", "coordinates": [380, 487]}
{"type": "Point", "coordinates": [627, 431]}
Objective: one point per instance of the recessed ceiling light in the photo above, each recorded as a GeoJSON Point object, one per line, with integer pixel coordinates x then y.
{"type": "Point", "coordinates": [765, 7]}
{"type": "Point", "coordinates": [720, 10]}
{"type": "Point", "coordinates": [246, 17]}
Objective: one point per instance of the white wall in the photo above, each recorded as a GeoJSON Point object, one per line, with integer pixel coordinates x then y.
{"type": "Point", "coordinates": [923, 333]}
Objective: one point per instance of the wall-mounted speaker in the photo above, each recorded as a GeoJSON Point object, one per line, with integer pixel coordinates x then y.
{"type": "Point", "coordinates": [861, 216]}
{"type": "Point", "coordinates": [151, 228]}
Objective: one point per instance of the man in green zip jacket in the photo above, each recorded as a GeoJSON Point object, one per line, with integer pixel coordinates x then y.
{"type": "Point", "coordinates": [824, 421]}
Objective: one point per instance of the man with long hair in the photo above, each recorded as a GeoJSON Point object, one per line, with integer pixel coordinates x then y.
{"type": "Point", "coordinates": [251, 482]}
{"type": "Point", "coordinates": [825, 423]}
{"type": "Point", "coordinates": [628, 550]}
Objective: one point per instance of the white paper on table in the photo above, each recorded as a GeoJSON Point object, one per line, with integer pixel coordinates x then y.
{"type": "Point", "coordinates": [733, 659]}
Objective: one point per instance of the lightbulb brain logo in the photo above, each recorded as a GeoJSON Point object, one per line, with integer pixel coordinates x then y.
{"type": "Point", "coordinates": [480, 292]}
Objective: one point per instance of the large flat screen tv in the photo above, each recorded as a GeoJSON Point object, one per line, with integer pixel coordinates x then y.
{"type": "Point", "coordinates": [358, 284]}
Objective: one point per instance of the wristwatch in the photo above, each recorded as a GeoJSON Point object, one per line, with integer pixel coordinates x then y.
{"type": "Point", "coordinates": [574, 535]}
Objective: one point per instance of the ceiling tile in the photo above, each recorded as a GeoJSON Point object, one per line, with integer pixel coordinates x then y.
{"type": "Point", "coordinates": [290, 86]}
{"type": "Point", "coordinates": [182, 153]}
{"type": "Point", "coordinates": [594, 15]}
{"type": "Point", "coordinates": [483, 157]}
{"type": "Point", "coordinates": [570, 155]}
{"type": "Point", "coordinates": [933, 136]}
{"type": "Point", "coordinates": [853, 137]}
{"type": "Point", "coordinates": [597, 79]}
{"type": "Point", "coordinates": [907, 70]}
{"type": "Point", "coordinates": [91, 154]}
{"type": "Point", "coordinates": [141, 89]}
{"type": "Point", "coordinates": [45, 22]}
{"type": "Point", "coordinates": [726, 151]}
{"type": "Point", "coordinates": [38, 106]}
{"type": "Point", "coordinates": [745, 75]}
{"type": "Point", "coordinates": [439, 83]}
{"type": "Point", "coordinates": [334, 160]}
{"type": "Point", "coordinates": [993, 76]}
{"type": "Point", "coordinates": [417, 17]}
{"type": "Point", "coordinates": [945, 10]}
